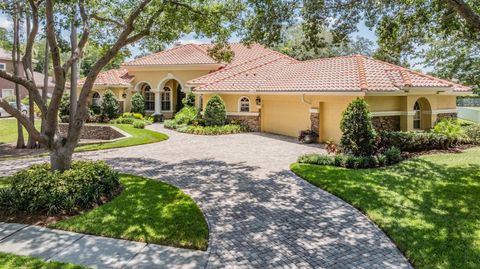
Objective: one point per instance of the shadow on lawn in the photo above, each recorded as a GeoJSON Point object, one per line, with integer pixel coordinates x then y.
{"type": "Point", "coordinates": [430, 210]}
{"type": "Point", "coordinates": [273, 220]}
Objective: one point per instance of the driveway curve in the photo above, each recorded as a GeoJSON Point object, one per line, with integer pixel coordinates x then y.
{"type": "Point", "coordinates": [259, 213]}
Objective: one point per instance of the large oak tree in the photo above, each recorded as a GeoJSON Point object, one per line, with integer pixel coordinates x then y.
{"type": "Point", "coordinates": [114, 24]}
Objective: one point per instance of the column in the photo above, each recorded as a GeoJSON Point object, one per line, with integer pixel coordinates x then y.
{"type": "Point", "coordinates": [158, 105]}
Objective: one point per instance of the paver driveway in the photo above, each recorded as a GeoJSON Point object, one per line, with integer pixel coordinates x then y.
{"type": "Point", "coordinates": [259, 213]}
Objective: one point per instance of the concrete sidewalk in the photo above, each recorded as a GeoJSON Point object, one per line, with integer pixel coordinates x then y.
{"type": "Point", "coordinates": [93, 251]}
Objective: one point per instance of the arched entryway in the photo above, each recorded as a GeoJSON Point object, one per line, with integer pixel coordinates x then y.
{"type": "Point", "coordinates": [422, 117]}
{"type": "Point", "coordinates": [171, 95]}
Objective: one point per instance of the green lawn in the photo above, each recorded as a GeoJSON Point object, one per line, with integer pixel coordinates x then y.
{"type": "Point", "coordinates": [139, 137]}
{"type": "Point", "coordinates": [8, 130]}
{"type": "Point", "coordinates": [429, 205]}
{"type": "Point", "coordinates": [3, 182]}
{"type": "Point", "coordinates": [9, 261]}
{"type": "Point", "coordinates": [147, 211]}
{"type": "Point", "coordinates": [8, 134]}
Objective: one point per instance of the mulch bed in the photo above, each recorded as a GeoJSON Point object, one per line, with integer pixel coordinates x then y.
{"type": "Point", "coordinates": [42, 219]}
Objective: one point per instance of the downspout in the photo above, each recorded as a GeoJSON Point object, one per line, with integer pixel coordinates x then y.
{"type": "Point", "coordinates": [305, 101]}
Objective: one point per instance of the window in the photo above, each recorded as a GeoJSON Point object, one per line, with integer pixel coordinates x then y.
{"type": "Point", "coordinates": [96, 99]}
{"type": "Point", "coordinates": [244, 104]}
{"type": "Point", "coordinates": [7, 92]}
{"type": "Point", "coordinates": [417, 117]}
{"type": "Point", "coordinates": [3, 66]}
{"type": "Point", "coordinates": [165, 99]}
{"type": "Point", "coordinates": [149, 97]}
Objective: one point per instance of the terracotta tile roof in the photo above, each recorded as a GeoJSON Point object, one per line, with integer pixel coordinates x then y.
{"type": "Point", "coordinates": [114, 77]}
{"type": "Point", "coordinates": [182, 54]}
{"type": "Point", "coordinates": [275, 72]}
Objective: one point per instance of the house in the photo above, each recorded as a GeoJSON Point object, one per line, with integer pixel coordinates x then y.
{"type": "Point", "coordinates": [7, 88]}
{"type": "Point", "coordinates": [275, 93]}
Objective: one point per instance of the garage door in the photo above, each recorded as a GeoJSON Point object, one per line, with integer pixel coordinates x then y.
{"type": "Point", "coordinates": [285, 117]}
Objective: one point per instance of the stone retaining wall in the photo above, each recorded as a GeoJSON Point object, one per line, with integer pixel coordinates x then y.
{"type": "Point", "coordinates": [94, 132]}
{"type": "Point", "coordinates": [446, 116]}
{"type": "Point", "coordinates": [386, 123]}
{"type": "Point", "coordinates": [253, 122]}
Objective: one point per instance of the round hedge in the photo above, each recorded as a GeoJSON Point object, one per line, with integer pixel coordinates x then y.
{"type": "Point", "coordinates": [38, 189]}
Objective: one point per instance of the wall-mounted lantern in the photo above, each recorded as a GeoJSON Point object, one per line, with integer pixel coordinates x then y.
{"type": "Point", "coordinates": [258, 101]}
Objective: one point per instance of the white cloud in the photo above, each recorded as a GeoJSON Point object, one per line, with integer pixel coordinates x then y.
{"type": "Point", "coordinates": [5, 22]}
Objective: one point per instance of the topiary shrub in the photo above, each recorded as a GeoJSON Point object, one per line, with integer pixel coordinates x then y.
{"type": "Point", "coordinates": [358, 136]}
{"type": "Point", "coordinates": [215, 112]}
{"type": "Point", "coordinates": [138, 124]}
{"type": "Point", "coordinates": [138, 104]}
{"type": "Point", "coordinates": [392, 155]}
{"type": "Point", "coordinates": [110, 105]}
{"type": "Point", "coordinates": [38, 189]}
{"type": "Point", "coordinates": [189, 99]}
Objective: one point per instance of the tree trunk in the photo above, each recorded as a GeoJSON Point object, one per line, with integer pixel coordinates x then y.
{"type": "Point", "coordinates": [32, 143]}
{"type": "Point", "coordinates": [74, 72]}
{"type": "Point", "coordinates": [45, 83]}
{"type": "Point", "coordinates": [16, 61]}
{"type": "Point", "coordinates": [61, 158]}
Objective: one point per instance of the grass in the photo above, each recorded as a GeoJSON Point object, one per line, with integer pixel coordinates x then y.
{"type": "Point", "coordinates": [429, 206]}
{"type": "Point", "coordinates": [147, 211]}
{"type": "Point", "coordinates": [138, 137]}
{"type": "Point", "coordinates": [10, 261]}
{"type": "Point", "coordinates": [8, 134]}
{"type": "Point", "coordinates": [3, 182]}
{"type": "Point", "coordinates": [8, 130]}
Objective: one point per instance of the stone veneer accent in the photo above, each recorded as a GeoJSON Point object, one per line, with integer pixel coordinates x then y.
{"type": "Point", "coordinates": [442, 116]}
{"type": "Point", "coordinates": [386, 123]}
{"type": "Point", "coordinates": [253, 122]}
{"type": "Point", "coordinates": [315, 121]}
{"type": "Point", "coordinates": [93, 132]}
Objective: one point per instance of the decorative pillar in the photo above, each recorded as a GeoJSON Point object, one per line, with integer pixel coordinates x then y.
{"type": "Point", "coordinates": [157, 103]}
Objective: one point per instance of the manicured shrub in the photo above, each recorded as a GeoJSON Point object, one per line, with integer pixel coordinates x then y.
{"type": "Point", "coordinates": [211, 130]}
{"type": "Point", "coordinates": [96, 109]}
{"type": "Point", "coordinates": [215, 112]}
{"type": "Point", "coordinates": [138, 124]}
{"type": "Point", "coordinates": [170, 124]}
{"type": "Point", "coordinates": [137, 116]}
{"type": "Point", "coordinates": [138, 103]}
{"type": "Point", "coordinates": [110, 105]}
{"type": "Point", "coordinates": [314, 158]}
{"type": "Point", "coordinates": [472, 134]}
{"type": "Point", "coordinates": [339, 160]}
{"type": "Point", "coordinates": [414, 141]}
{"type": "Point", "coordinates": [122, 120]}
{"type": "Point", "coordinates": [186, 115]}
{"type": "Point", "coordinates": [358, 136]}
{"type": "Point", "coordinates": [38, 189]}
{"type": "Point", "coordinates": [451, 129]}
{"type": "Point", "coordinates": [393, 155]}
{"type": "Point", "coordinates": [189, 99]}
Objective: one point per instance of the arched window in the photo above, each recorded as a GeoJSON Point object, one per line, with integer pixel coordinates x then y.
{"type": "Point", "coordinates": [96, 99]}
{"type": "Point", "coordinates": [244, 104]}
{"type": "Point", "coordinates": [165, 99]}
{"type": "Point", "coordinates": [417, 117]}
{"type": "Point", "coordinates": [149, 97]}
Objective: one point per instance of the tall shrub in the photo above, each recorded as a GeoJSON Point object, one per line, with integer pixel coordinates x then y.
{"type": "Point", "coordinates": [358, 133]}
{"type": "Point", "coordinates": [215, 112]}
{"type": "Point", "coordinates": [189, 99]}
{"type": "Point", "coordinates": [109, 105]}
{"type": "Point", "coordinates": [138, 104]}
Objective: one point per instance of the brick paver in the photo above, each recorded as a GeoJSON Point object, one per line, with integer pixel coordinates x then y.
{"type": "Point", "coordinates": [260, 214]}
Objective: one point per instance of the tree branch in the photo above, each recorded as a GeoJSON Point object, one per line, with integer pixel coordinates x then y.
{"type": "Point", "coordinates": [465, 11]}
{"type": "Point", "coordinates": [83, 40]}
{"type": "Point", "coordinates": [109, 20]}
{"type": "Point", "coordinates": [23, 120]}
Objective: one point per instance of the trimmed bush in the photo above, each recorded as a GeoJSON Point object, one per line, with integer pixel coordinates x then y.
{"type": "Point", "coordinates": [138, 124]}
{"type": "Point", "coordinates": [314, 158]}
{"type": "Point", "coordinates": [110, 105]}
{"type": "Point", "coordinates": [122, 120]}
{"type": "Point", "coordinates": [189, 99]}
{"type": "Point", "coordinates": [414, 141]}
{"type": "Point", "coordinates": [137, 116]}
{"type": "Point", "coordinates": [138, 104]}
{"type": "Point", "coordinates": [212, 130]}
{"type": "Point", "coordinates": [393, 155]}
{"type": "Point", "coordinates": [170, 124]}
{"type": "Point", "coordinates": [215, 112]}
{"type": "Point", "coordinates": [358, 136]}
{"type": "Point", "coordinates": [472, 133]}
{"type": "Point", "coordinates": [40, 190]}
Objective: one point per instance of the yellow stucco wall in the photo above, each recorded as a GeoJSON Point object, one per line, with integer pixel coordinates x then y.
{"type": "Point", "coordinates": [232, 101]}
{"type": "Point", "coordinates": [383, 103]}
{"type": "Point", "coordinates": [285, 115]}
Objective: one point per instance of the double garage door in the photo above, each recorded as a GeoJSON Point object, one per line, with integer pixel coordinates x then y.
{"type": "Point", "coordinates": [285, 117]}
